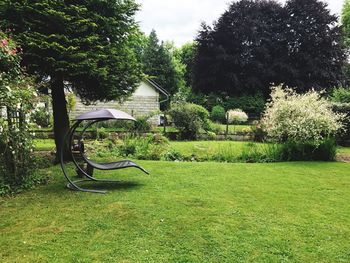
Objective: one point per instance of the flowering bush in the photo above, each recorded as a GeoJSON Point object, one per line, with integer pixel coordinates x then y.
{"type": "Point", "coordinates": [304, 118]}
{"type": "Point", "coordinates": [17, 98]}
{"type": "Point", "coordinates": [236, 116]}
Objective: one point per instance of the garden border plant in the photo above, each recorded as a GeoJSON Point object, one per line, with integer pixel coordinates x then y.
{"type": "Point", "coordinates": [17, 97]}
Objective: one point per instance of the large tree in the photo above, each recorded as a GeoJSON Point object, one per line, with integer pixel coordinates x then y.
{"type": "Point", "coordinates": [84, 43]}
{"type": "Point", "coordinates": [158, 63]}
{"type": "Point", "coordinates": [242, 52]}
{"type": "Point", "coordinates": [255, 44]}
{"type": "Point", "coordinates": [316, 53]}
{"type": "Point", "coordinates": [185, 54]}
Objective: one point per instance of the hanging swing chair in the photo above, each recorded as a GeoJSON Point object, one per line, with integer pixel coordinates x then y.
{"type": "Point", "coordinates": [92, 118]}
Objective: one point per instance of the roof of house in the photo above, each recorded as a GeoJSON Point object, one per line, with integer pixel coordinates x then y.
{"type": "Point", "coordinates": [156, 86]}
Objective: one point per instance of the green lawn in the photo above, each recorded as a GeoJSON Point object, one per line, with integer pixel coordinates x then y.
{"type": "Point", "coordinates": [186, 212]}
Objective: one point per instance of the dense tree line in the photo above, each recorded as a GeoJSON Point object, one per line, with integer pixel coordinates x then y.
{"type": "Point", "coordinates": [255, 44]}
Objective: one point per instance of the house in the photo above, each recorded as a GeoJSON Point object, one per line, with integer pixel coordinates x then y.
{"type": "Point", "coordinates": [145, 101]}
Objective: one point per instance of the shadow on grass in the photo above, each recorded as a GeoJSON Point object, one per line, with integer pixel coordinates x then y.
{"type": "Point", "coordinates": [59, 187]}
{"type": "Point", "coordinates": [110, 186]}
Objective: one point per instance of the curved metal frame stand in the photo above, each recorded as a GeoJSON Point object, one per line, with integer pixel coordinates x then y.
{"type": "Point", "coordinates": [67, 142]}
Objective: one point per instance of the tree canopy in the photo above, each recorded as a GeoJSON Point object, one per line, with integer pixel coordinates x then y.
{"type": "Point", "coordinates": [258, 43]}
{"type": "Point", "coordinates": [158, 63]}
{"type": "Point", "coordinates": [85, 43]}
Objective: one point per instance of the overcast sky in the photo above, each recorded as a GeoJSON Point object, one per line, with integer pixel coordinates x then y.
{"type": "Point", "coordinates": [179, 20]}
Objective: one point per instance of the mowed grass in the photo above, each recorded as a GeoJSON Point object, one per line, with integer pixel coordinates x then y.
{"type": "Point", "coordinates": [186, 212]}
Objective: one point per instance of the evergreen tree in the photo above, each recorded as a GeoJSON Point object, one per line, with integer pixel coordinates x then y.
{"type": "Point", "coordinates": [185, 55]}
{"type": "Point", "coordinates": [158, 64]}
{"type": "Point", "coordinates": [85, 43]}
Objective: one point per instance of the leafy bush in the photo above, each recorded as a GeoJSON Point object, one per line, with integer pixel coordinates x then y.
{"type": "Point", "coordinates": [189, 119]}
{"type": "Point", "coordinates": [17, 97]}
{"type": "Point", "coordinates": [172, 155]}
{"type": "Point", "coordinates": [304, 123]}
{"type": "Point", "coordinates": [142, 124]}
{"type": "Point", "coordinates": [258, 132]}
{"type": "Point", "coordinates": [150, 147]}
{"type": "Point", "coordinates": [300, 117]}
{"type": "Point", "coordinates": [218, 114]}
{"type": "Point", "coordinates": [343, 136]}
{"type": "Point", "coordinates": [41, 117]}
{"type": "Point", "coordinates": [341, 95]}
{"type": "Point", "coordinates": [236, 116]}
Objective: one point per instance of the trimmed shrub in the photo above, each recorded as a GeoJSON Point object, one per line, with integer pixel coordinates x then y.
{"type": "Point", "coordinates": [189, 119]}
{"type": "Point", "coordinates": [218, 114]}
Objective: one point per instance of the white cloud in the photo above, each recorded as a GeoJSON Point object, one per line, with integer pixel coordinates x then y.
{"type": "Point", "coordinates": [179, 20]}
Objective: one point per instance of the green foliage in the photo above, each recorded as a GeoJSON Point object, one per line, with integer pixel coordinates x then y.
{"type": "Point", "coordinates": [142, 124]}
{"type": "Point", "coordinates": [301, 151]}
{"type": "Point", "coordinates": [345, 19]}
{"type": "Point", "coordinates": [189, 119]}
{"type": "Point", "coordinates": [17, 98]}
{"type": "Point", "coordinates": [256, 43]}
{"type": "Point", "coordinates": [258, 132]}
{"type": "Point", "coordinates": [71, 102]}
{"type": "Point", "coordinates": [218, 114]}
{"type": "Point", "coordinates": [340, 95]}
{"type": "Point", "coordinates": [149, 147]}
{"type": "Point", "coordinates": [87, 44]}
{"type": "Point", "coordinates": [301, 118]}
{"type": "Point", "coordinates": [161, 66]}
{"type": "Point", "coordinates": [172, 155]}
{"type": "Point", "coordinates": [185, 55]}
{"type": "Point", "coordinates": [343, 135]}
{"type": "Point", "coordinates": [41, 117]}
{"type": "Point", "coordinates": [252, 104]}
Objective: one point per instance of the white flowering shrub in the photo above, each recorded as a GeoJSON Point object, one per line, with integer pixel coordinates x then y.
{"type": "Point", "coordinates": [300, 118]}
{"type": "Point", "coordinates": [236, 116]}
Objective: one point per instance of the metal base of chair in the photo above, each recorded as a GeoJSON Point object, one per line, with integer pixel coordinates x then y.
{"type": "Point", "coordinates": [73, 185]}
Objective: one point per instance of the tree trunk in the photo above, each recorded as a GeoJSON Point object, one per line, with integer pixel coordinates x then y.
{"type": "Point", "coordinates": [60, 116]}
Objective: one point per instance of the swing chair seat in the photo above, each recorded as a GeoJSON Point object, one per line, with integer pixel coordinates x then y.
{"type": "Point", "coordinates": [115, 165]}
{"type": "Point", "coordinates": [93, 117]}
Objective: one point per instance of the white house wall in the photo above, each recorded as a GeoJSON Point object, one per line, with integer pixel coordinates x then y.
{"type": "Point", "coordinates": [144, 102]}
